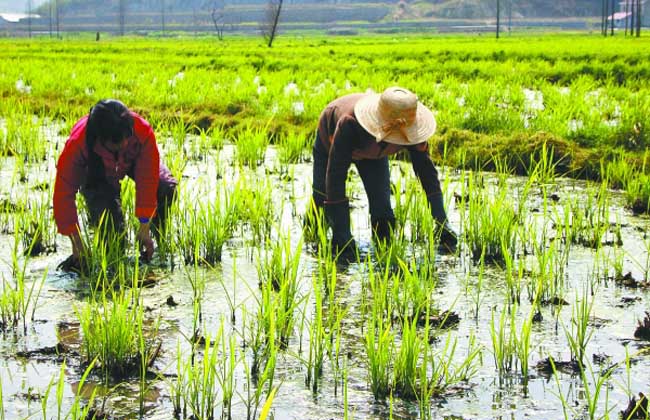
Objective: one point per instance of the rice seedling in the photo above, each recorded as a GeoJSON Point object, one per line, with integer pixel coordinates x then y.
{"type": "Point", "coordinates": [490, 224]}
{"type": "Point", "coordinates": [504, 346]}
{"type": "Point", "coordinates": [2, 403]}
{"type": "Point", "coordinates": [226, 372]}
{"type": "Point", "coordinates": [251, 144]}
{"type": "Point", "coordinates": [406, 360]}
{"type": "Point", "coordinates": [253, 205]}
{"type": "Point", "coordinates": [318, 338]}
{"type": "Point", "coordinates": [199, 381]}
{"type": "Point", "coordinates": [259, 379]}
{"type": "Point", "coordinates": [379, 350]}
{"type": "Point", "coordinates": [111, 333]}
{"type": "Point", "coordinates": [445, 370]}
{"type": "Point", "coordinates": [17, 296]}
{"type": "Point", "coordinates": [279, 272]}
{"type": "Point", "coordinates": [204, 229]}
{"type": "Point", "coordinates": [579, 335]}
{"type": "Point", "coordinates": [293, 146]}
{"type": "Point", "coordinates": [522, 344]}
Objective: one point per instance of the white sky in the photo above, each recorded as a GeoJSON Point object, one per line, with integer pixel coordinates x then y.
{"type": "Point", "coordinates": [18, 6]}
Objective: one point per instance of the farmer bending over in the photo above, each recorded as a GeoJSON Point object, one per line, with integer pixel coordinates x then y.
{"type": "Point", "coordinates": [105, 146]}
{"type": "Point", "coordinates": [364, 129]}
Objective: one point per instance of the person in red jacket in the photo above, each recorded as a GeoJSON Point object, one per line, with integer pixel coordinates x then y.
{"type": "Point", "coordinates": [365, 129]}
{"type": "Point", "coordinates": [108, 144]}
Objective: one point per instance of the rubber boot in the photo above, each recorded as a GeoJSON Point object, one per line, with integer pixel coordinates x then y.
{"type": "Point", "coordinates": [344, 249]}
{"type": "Point", "coordinates": [444, 232]}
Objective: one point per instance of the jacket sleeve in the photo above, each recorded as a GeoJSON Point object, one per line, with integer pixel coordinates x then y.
{"type": "Point", "coordinates": [424, 169]}
{"type": "Point", "coordinates": [70, 172]}
{"type": "Point", "coordinates": [146, 173]}
{"type": "Point", "coordinates": [339, 160]}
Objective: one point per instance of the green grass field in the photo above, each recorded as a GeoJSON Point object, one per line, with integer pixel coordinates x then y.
{"type": "Point", "coordinates": [585, 95]}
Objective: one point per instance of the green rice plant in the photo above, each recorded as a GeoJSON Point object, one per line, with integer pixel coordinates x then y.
{"type": "Point", "coordinates": [637, 193]}
{"type": "Point", "coordinates": [389, 253]}
{"type": "Point", "coordinates": [579, 335]}
{"type": "Point", "coordinates": [77, 410]}
{"type": "Point", "coordinates": [2, 402]}
{"type": "Point", "coordinates": [379, 351]}
{"type": "Point", "coordinates": [314, 225]}
{"type": "Point", "coordinates": [204, 228]}
{"type": "Point", "coordinates": [544, 167]}
{"type": "Point", "coordinates": [17, 295]}
{"type": "Point", "coordinates": [318, 337]}
{"type": "Point", "coordinates": [111, 334]}
{"type": "Point", "coordinates": [293, 146]}
{"type": "Point", "coordinates": [590, 219]}
{"type": "Point", "coordinates": [251, 144]}
{"type": "Point", "coordinates": [405, 366]}
{"type": "Point", "coordinates": [24, 139]}
{"type": "Point", "coordinates": [490, 224]}
{"type": "Point", "coordinates": [36, 228]}
{"type": "Point", "coordinates": [413, 286]}
{"type": "Point", "coordinates": [226, 372]}
{"type": "Point", "coordinates": [442, 370]}
{"type": "Point", "coordinates": [549, 271]}
{"type": "Point", "coordinates": [522, 344]}
{"type": "Point", "coordinates": [178, 132]}
{"type": "Point", "coordinates": [279, 273]}
{"type": "Point", "coordinates": [199, 381]}
{"type": "Point", "coordinates": [513, 276]}
{"type": "Point", "coordinates": [592, 387]}
{"type": "Point", "coordinates": [253, 205]}
{"type": "Point", "coordinates": [259, 379]}
{"type": "Point", "coordinates": [504, 344]}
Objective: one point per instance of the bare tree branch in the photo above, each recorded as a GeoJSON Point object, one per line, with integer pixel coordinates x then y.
{"type": "Point", "coordinates": [218, 15]}
{"type": "Point", "coordinates": [269, 27]}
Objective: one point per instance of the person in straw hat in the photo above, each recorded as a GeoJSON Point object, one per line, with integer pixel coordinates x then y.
{"type": "Point", "coordinates": [364, 129]}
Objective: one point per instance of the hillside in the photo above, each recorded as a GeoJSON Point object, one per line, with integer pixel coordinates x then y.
{"type": "Point", "coordinates": [415, 9]}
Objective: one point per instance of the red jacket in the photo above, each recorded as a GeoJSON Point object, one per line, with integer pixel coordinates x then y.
{"type": "Point", "coordinates": [138, 158]}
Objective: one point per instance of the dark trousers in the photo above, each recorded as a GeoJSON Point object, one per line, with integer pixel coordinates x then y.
{"type": "Point", "coordinates": [103, 200]}
{"type": "Point", "coordinates": [374, 173]}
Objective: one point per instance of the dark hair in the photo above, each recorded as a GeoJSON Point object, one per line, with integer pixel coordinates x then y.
{"type": "Point", "coordinates": [109, 120]}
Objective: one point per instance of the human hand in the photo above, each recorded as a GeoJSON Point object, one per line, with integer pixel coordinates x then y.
{"type": "Point", "coordinates": [145, 243]}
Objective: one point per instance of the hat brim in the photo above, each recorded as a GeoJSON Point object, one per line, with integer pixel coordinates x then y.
{"type": "Point", "coordinates": [367, 114]}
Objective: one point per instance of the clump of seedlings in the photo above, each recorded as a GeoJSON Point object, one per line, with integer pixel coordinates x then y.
{"type": "Point", "coordinates": [113, 328]}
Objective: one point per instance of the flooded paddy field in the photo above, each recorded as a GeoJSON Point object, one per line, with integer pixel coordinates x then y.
{"type": "Point", "coordinates": [243, 312]}
{"type": "Point", "coordinates": [537, 315]}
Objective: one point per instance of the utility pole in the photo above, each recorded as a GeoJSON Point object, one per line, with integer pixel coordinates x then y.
{"type": "Point", "coordinates": [122, 13]}
{"type": "Point", "coordinates": [29, 17]}
{"type": "Point", "coordinates": [498, 16]}
{"type": "Point", "coordinates": [639, 16]}
{"type": "Point", "coordinates": [162, 15]}
{"type": "Point", "coordinates": [509, 16]}
{"type": "Point", "coordinates": [613, 13]}
{"type": "Point", "coordinates": [50, 19]}
{"type": "Point", "coordinates": [56, 12]}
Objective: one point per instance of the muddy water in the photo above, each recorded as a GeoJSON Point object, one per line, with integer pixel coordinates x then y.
{"type": "Point", "coordinates": [486, 396]}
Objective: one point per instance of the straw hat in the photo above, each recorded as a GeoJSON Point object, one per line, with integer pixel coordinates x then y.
{"type": "Point", "coordinates": [395, 116]}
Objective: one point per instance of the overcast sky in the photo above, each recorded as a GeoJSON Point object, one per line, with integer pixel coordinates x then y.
{"type": "Point", "coordinates": [16, 6]}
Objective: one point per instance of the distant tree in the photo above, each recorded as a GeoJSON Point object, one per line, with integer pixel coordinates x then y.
{"type": "Point", "coordinates": [269, 26]}
{"type": "Point", "coordinates": [218, 16]}
{"type": "Point", "coordinates": [162, 15]}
